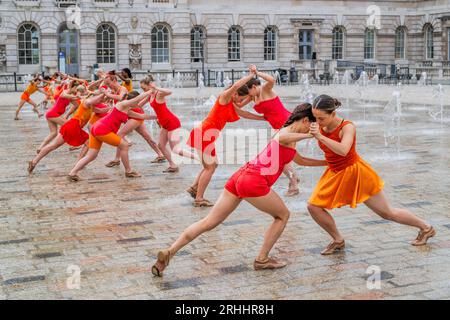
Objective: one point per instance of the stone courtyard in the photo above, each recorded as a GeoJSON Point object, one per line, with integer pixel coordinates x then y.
{"type": "Point", "coordinates": [108, 229]}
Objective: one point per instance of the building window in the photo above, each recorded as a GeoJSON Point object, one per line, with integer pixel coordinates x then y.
{"type": "Point", "coordinates": [338, 43]}
{"type": "Point", "coordinates": [429, 43]}
{"type": "Point", "coordinates": [106, 44]}
{"type": "Point", "coordinates": [306, 41]}
{"type": "Point", "coordinates": [400, 35]}
{"type": "Point", "coordinates": [160, 44]}
{"type": "Point", "coordinates": [448, 44]}
{"type": "Point", "coordinates": [369, 44]}
{"type": "Point", "coordinates": [270, 44]}
{"type": "Point", "coordinates": [28, 44]}
{"type": "Point", "coordinates": [234, 44]}
{"type": "Point", "coordinates": [197, 45]}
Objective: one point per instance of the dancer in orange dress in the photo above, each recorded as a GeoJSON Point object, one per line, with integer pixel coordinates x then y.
{"type": "Point", "coordinates": [127, 79]}
{"type": "Point", "coordinates": [72, 131]}
{"type": "Point", "coordinates": [203, 137]}
{"type": "Point", "coordinates": [349, 180]}
{"type": "Point", "coordinates": [253, 183]}
{"type": "Point", "coordinates": [105, 130]}
{"type": "Point", "coordinates": [32, 87]}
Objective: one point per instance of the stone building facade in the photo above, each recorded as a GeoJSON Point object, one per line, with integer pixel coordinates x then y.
{"type": "Point", "coordinates": [162, 35]}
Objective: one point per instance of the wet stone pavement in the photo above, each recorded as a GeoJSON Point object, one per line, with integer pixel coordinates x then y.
{"type": "Point", "coordinates": [107, 229]}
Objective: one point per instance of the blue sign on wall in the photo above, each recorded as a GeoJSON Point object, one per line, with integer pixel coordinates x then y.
{"type": "Point", "coordinates": [62, 62]}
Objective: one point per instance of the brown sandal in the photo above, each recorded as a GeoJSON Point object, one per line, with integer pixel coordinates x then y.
{"type": "Point", "coordinates": [132, 174]}
{"type": "Point", "coordinates": [333, 247]}
{"type": "Point", "coordinates": [74, 178]}
{"type": "Point", "coordinates": [203, 203]}
{"type": "Point", "coordinates": [171, 170]}
{"type": "Point", "coordinates": [31, 167]}
{"type": "Point", "coordinates": [113, 163]}
{"type": "Point", "coordinates": [158, 160]}
{"type": "Point", "coordinates": [164, 257]}
{"type": "Point", "coordinates": [192, 191]}
{"type": "Point", "coordinates": [269, 264]}
{"type": "Point", "coordinates": [423, 237]}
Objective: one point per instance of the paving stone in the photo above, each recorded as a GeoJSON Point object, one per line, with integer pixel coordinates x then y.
{"type": "Point", "coordinates": [110, 229]}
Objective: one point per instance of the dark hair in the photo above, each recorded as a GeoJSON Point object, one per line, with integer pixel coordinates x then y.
{"type": "Point", "coordinates": [244, 90]}
{"type": "Point", "coordinates": [131, 95]}
{"type": "Point", "coordinates": [326, 103]}
{"type": "Point", "coordinates": [253, 82]}
{"type": "Point", "coordinates": [128, 72]}
{"type": "Point", "coordinates": [303, 110]}
{"type": "Point", "coordinates": [47, 78]}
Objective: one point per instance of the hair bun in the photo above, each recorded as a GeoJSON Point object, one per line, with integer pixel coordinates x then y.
{"type": "Point", "coordinates": [337, 103]}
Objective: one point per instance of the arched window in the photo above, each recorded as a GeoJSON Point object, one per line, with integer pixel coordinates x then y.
{"type": "Point", "coordinates": [28, 44]}
{"type": "Point", "coordinates": [106, 43]}
{"type": "Point", "coordinates": [270, 44]}
{"type": "Point", "coordinates": [400, 36]}
{"type": "Point", "coordinates": [234, 44]}
{"type": "Point", "coordinates": [369, 44]}
{"type": "Point", "coordinates": [160, 44]}
{"type": "Point", "coordinates": [198, 38]}
{"type": "Point", "coordinates": [429, 42]}
{"type": "Point", "coordinates": [338, 43]}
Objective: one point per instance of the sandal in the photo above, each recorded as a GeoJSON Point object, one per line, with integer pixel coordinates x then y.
{"type": "Point", "coordinates": [164, 257]}
{"type": "Point", "coordinates": [132, 174]}
{"type": "Point", "coordinates": [269, 264]}
{"type": "Point", "coordinates": [159, 160]}
{"type": "Point", "coordinates": [192, 192]}
{"type": "Point", "coordinates": [171, 170]}
{"type": "Point", "coordinates": [203, 203]}
{"type": "Point", "coordinates": [74, 178]}
{"type": "Point", "coordinates": [291, 193]}
{"type": "Point", "coordinates": [423, 237]}
{"type": "Point", "coordinates": [333, 247]}
{"type": "Point", "coordinates": [113, 163]}
{"type": "Point", "coordinates": [31, 167]}
{"type": "Point", "coordinates": [16, 118]}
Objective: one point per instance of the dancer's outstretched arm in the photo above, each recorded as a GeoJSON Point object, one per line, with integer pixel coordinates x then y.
{"type": "Point", "coordinates": [287, 138]}
{"type": "Point", "coordinates": [141, 116]}
{"type": "Point", "coordinates": [248, 115]}
{"type": "Point", "coordinates": [244, 102]}
{"type": "Point", "coordinates": [308, 162]}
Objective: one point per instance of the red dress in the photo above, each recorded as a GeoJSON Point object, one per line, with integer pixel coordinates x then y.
{"type": "Point", "coordinates": [58, 109]}
{"type": "Point", "coordinates": [257, 177]}
{"type": "Point", "coordinates": [274, 112]}
{"type": "Point", "coordinates": [166, 118]}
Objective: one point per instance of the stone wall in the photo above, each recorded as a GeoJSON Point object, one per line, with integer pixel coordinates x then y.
{"type": "Point", "coordinates": [133, 24]}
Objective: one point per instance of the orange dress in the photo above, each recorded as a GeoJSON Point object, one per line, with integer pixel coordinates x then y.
{"type": "Point", "coordinates": [129, 86]}
{"type": "Point", "coordinates": [31, 88]}
{"type": "Point", "coordinates": [348, 180]}
{"type": "Point", "coordinates": [203, 137]}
